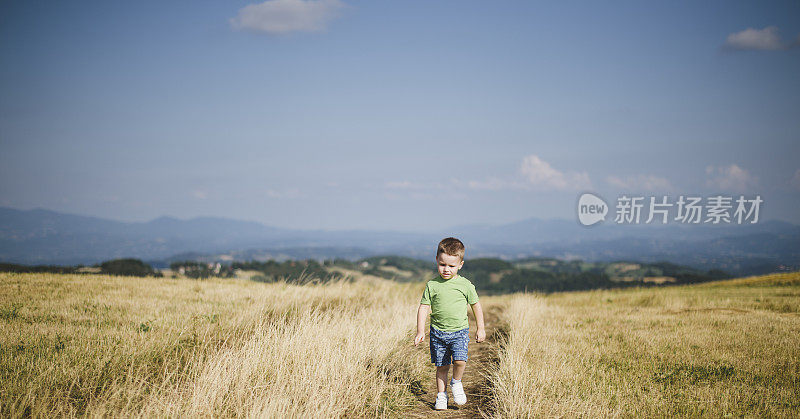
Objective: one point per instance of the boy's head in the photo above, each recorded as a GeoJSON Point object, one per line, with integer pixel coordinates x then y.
{"type": "Point", "coordinates": [449, 257]}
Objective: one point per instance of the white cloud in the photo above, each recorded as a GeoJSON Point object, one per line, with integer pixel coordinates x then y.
{"type": "Point", "coordinates": [284, 16]}
{"type": "Point", "coordinates": [540, 174]}
{"type": "Point", "coordinates": [404, 190]}
{"type": "Point", "coordinates": [648, 183]}
{"type": "Point", "coordinates": [200, 194]}
{"type": "Point", "coordinates": [730, 178]}
{"type": "Point", "coordinates": [756, 39]}
{"type": "Point", "coordinates": [424, 196]}
{"type": "Point", "coordinates": [494, 184]}
{"type": "Point", "coordinates": [407, 184]}
{"type": "Point", "coordinates": [795, 182]}
{"type": "Point", "coordinates": [536, 174]}
{"type": "Point", "coordinates": [287, 193]}
{"type": "Point", "coordinates": [401, 184]}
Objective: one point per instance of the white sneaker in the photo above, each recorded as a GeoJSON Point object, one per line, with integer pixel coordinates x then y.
{"type": "Point", "coordinates": [458, 392]}
{"type": "Point", "coordinates": [441, 401]}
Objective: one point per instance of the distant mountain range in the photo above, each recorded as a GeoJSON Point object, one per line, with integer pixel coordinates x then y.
{"type": "Point", "coordinates": [46, 237]}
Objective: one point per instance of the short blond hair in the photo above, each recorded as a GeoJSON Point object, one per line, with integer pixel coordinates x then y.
{"type": "Point", "coordinates": [451, 246]}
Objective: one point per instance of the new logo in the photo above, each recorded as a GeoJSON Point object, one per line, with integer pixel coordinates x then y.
{"type": "Point", "coordinates": [591, 209]}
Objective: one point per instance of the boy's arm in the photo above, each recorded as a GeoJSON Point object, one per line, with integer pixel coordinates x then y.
{"type": "Point", "coordinates": [422, 314]}
{"type": "Point", "coordinates": [480, 336]}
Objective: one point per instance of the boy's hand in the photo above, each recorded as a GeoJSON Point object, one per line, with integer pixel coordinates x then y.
{"type": "Point", "coordinates": [480, 336]}
{"type": "Point", "coordinates": [419, 338]}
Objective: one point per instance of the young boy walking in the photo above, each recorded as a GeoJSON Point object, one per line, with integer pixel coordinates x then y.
{"type": "Point", "coordinates": [446, 299]}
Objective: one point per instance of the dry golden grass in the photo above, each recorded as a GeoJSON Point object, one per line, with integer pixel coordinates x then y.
{"type": "Point", "coordinates": [729, 348]}
{"type": "Point", "coordinates": [74, 345]}
{"type": "Point", "coordinates": [97, 345]}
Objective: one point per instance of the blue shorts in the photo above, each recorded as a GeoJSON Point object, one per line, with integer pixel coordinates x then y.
{"type": "Point", "coordinates": [448, 346]}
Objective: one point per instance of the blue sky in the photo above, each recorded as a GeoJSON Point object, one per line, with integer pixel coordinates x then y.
{"type": "Point", "coordinates": [394, 115]}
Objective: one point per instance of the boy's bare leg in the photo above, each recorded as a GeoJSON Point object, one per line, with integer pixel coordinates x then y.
{"type": "Point", "coordinates": [441, 377]}
{"type": "Point", "coordinates": [458, 369]}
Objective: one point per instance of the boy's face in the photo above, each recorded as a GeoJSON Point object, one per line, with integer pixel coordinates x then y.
{"type": "Point", "coordinates": [448, 265]}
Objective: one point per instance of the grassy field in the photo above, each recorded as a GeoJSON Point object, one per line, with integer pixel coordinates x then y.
{"type": "Point", "coordinates": [729, 348]}
{"type": "Point", "coordinates": [73, 345]}
{"type": "Point", "coordinates": [93, 345]}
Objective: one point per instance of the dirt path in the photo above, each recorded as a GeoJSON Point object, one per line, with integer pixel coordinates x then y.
{"type": "Point", "coordinates": [481, 356]}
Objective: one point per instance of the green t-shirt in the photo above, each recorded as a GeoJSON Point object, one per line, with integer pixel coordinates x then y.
{"type": "Point", "coordinates": [448, 299]}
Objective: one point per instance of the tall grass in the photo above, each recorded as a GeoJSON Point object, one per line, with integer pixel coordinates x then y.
{"type": "Point", "coordinates": [87, 345]}
{"type": "Point", "coordinates": [720, 349]}
{"type": "Point", "coordinates": [75, 345]}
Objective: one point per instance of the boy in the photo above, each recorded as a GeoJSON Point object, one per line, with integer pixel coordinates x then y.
{"type": "Point", "coordinates": [446, 298]}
